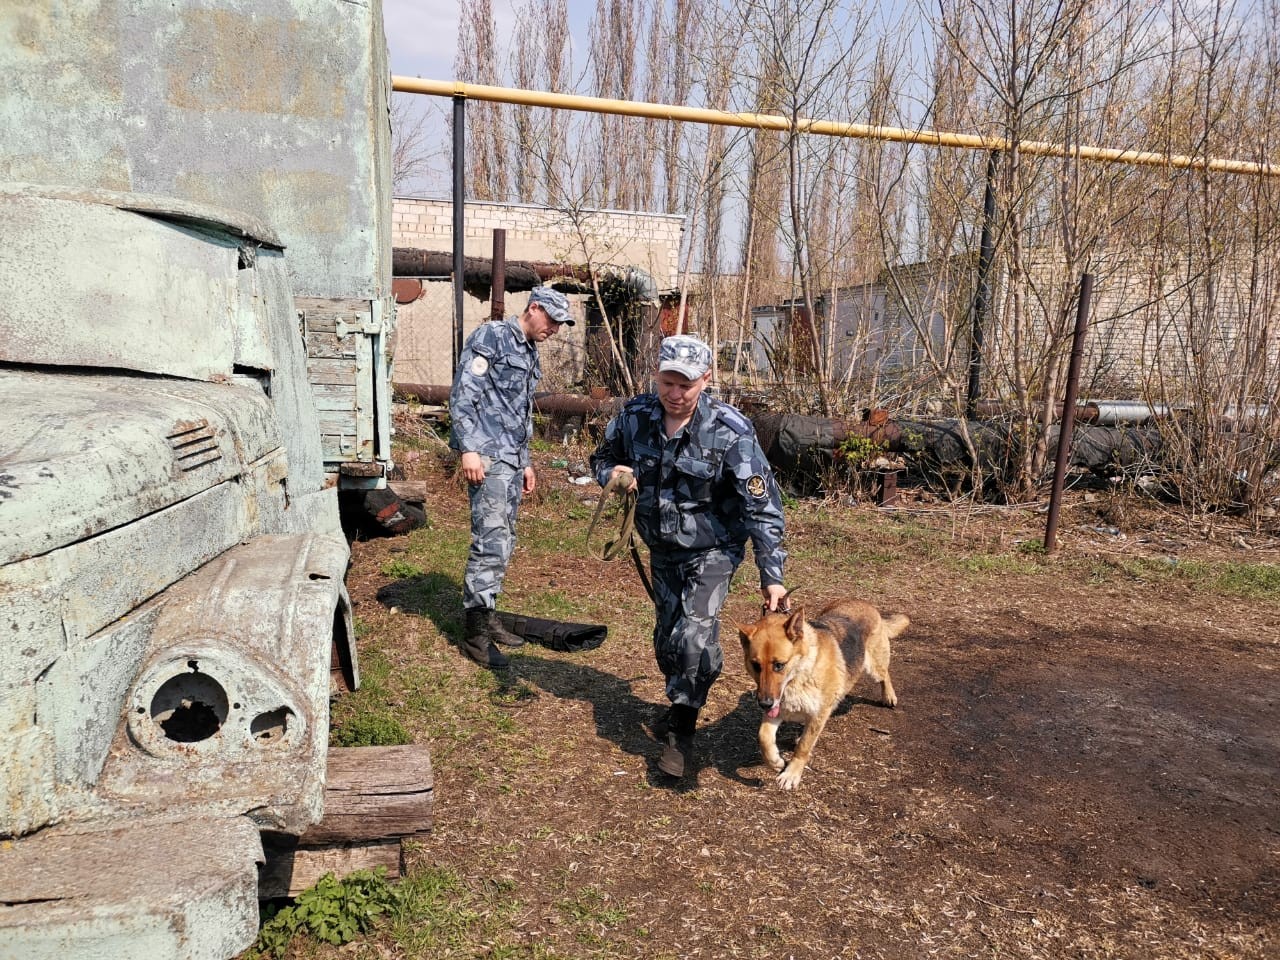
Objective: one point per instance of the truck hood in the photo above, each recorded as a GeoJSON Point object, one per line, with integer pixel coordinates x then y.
{"type": "Point", "coordinates": [83, 453]}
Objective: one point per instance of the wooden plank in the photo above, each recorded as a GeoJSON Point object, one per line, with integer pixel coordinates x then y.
{"type": "Point", "coordinates": [336, 447]}
{"type": "Point", "coordinates": [375, 793]}
{"type": "Point", "coordinates": [329, 395]}
{"type": "Point", "coordinates": [373, 797]}
{"type": "Point", "coordinates": [289, 870]}
{"type": "Point", "coordinates": [329, 346]}
{"type": "Point", "coordinates": [331, 371]}
{"type": "Point", "coordinates": [336, 306]}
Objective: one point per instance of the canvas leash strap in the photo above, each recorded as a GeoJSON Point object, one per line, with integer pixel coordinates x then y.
{"type": "Point", "coordinates": [626, 538]}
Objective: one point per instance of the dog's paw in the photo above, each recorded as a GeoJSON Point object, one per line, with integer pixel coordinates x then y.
{"type": "Point", "coordinates": [776, 762]}
{"type": "Point", "coordinates": [789, 778]}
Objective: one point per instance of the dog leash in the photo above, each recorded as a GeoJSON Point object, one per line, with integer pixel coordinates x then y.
{"type": "Point", "coordinates": [626, 538]}
{"type": "Point", "coordinates": [784, 605]}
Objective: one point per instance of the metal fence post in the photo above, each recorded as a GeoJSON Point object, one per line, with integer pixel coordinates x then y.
{"type": "Point", "coordinates": [1065, 428]}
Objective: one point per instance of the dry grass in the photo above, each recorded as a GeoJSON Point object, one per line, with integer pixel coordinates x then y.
{"type": "Point", "coordinates": [1065, 776]}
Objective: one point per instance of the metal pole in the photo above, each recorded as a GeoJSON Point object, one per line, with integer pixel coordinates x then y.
{"type": "Point", "coordinates": [459, 204]}
{"type": "Point", "coordinates": [1068, 412]}
{"type": "Point", "coordinates": [498, 276]}
{"type": "Point", "coordinates": [833, 128]}
{"type": "Point", "coordinates": [982, 296]}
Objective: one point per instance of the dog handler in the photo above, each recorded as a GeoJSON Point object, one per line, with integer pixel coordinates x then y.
{"type": "Point", "coordinates": [703, 487]}
{"type": "Point", "coordinates": [491, 409]}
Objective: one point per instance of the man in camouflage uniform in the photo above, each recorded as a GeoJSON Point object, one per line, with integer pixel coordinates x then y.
{"type": "Point", "coordinates": [703, 488]}
{"type": "Point", "coordinates": [491, 409]}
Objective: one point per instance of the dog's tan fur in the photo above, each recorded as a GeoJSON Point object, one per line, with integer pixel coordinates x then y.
{"type": "Point", "coordinates": [803, 669]}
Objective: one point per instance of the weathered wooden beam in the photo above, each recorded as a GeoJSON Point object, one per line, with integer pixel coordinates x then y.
{"type": "Point", "coordinates": [374, 797]}
{"type": "Point", "coordinates": [375, 793]}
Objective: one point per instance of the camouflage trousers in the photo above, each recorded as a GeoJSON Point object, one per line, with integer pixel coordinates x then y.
{"type": "Point", "coordinates": [495, 501]}
{"type": "Point", "coordinates": [689, 589]}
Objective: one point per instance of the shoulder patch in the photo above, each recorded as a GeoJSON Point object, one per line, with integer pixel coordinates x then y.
{"type": "Point", "coordinates": [756, 486]}
{"type": "Point", "coordinates": [479, 366]}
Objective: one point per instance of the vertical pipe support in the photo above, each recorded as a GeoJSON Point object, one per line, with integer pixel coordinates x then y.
{"type": "Point", "coordinates": [1065, 429]}
{"type": "Point", "coordinates": [459, 203]}
{"type": "Point", "coordinates": [982, 295]}
{"type": "Point", "coordinates": [498, 277]}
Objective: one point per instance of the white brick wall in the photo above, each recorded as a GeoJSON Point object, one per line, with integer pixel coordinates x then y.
{"type": "Point", "coordinates": [424, 329]}
{"type": "Point", "coordinates": [648, 241]}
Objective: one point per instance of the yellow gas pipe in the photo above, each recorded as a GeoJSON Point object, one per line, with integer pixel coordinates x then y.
{"type": "Point", "coordinates": [832, 128]}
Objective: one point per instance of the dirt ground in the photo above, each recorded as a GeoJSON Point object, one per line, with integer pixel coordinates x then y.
{"type": "Point", "coordinates": [1079, 766]}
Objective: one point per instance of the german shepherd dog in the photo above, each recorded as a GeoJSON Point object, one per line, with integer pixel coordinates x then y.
{"type": "Point", "coordinates": [803, 669]}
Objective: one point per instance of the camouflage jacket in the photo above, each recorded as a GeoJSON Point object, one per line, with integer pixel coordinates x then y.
{"type": "Point", "coordinates": [491, 403]}
{"type": "Point", "coordinates": [709, 485]}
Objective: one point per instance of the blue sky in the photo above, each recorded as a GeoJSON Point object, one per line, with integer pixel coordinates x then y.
{"type": "Point", "coordinates": [422, 37]}
{"type": "Point", "coordinates": [422, 34]}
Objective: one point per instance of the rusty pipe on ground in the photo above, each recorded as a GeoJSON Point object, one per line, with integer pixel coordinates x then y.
{"type": "Point", "coordinates": [477, 272]}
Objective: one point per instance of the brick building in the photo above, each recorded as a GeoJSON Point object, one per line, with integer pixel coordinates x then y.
{"type": "Point", "coordinates": [622, 240]}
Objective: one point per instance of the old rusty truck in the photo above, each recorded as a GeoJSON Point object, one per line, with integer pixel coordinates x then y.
{"type": "Point", "coordinates": [195, 288]}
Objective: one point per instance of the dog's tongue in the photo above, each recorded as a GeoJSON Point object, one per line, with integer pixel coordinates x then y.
{"type": "Point", "coordinates": [774, 710]}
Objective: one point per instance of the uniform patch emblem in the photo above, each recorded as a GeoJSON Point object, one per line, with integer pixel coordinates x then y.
{"type": "Point", "coordinates": [479, 366]}
{"type": "Point", "coordinates": [755, 485]}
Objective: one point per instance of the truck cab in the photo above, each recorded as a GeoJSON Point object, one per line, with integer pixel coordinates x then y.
{"type": "Point", "coordinates": [194, 301]}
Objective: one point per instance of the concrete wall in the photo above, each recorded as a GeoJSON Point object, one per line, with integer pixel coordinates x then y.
{"type": "Point", "coordinates": [424, 329]}
{"type": "Point", "coordinates": [1143, 315]}
{"type": "Point", "coordinates": [272, 108]}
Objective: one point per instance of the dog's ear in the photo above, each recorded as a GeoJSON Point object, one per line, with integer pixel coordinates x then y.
{"type": "Point", "coordinates": [795, 624]}
{"type": "Point", "coordinates": [744, 633]}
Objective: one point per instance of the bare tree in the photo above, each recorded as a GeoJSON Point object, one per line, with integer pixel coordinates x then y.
{"type": "Point", "coordinates": [488, 140]}
{"type": "Point", "coordinates": [412, 152]}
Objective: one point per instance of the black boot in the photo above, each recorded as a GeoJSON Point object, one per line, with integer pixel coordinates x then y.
{"type": "Point", "coordinates": [661, 725]}
{"type": "Point", "coordinates": [477, 639]}
{"type": "Point", "coordinates": [501, 634]}
{"type": "Point", "coordinates": [680, 723]}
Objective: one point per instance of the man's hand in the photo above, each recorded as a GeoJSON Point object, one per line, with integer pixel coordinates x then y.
{"type": "Point", "coordinates": [774, 595]}
{"type": "Point", "coordinates": [473, 468]}
{"type": "Point", "coordinates": [530, 480]}
{"type": "Point", "coordinates": [618, 471]}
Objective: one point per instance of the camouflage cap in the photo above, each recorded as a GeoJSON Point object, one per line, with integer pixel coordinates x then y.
{"type": "Point", "coordinates": [555, 303]}
{"type": "Point", "coordinates": [685, 355]}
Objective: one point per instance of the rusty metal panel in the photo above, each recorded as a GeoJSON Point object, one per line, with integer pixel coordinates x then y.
{"type": "Point", "coordinates": [228, 711]}
{"type": "Point", "coordinates": [84, 284]}
{"type": "Point", "coordinates": [27, 797]}
{"type": "Point", "coordinates": [79, 698]}
{"type": "Point", "coordinates": [159, 888]}
{"type": "Point", "coordinates": [92, 452]}
{"type": "Point", "coordinates": [344, 362]}
{"type": "Point", "coordinates": [274, 107]}
{"type": "Point", "coordinates": [59, 598]}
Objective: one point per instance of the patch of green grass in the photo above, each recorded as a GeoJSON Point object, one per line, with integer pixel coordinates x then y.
{"type": "Point", "coordinates": [1001, 563]}
{"type": "Point", "coordinates": [402, 569]}
{"type": "Point", "coordinates": [1032, 548]}
{"type": "Point", "coordinates": [437, 916]}
{"type": "Point", "coordinates": [365, 718]}
{"type": "Point", "coordinates": [370, 730]}
{"type": "Point", "coordinates": [591, 906]}
{"type": "Point", "coordinates": [538, 445]}
{"type": "Point", "coordinates": [332, 911]}
{"type": "Point", "coordinates": [552, 605]}
{"type": "Point", "coordinates": [1255, 581]}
